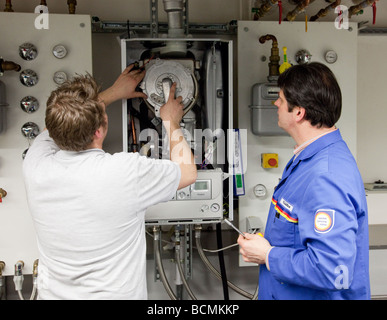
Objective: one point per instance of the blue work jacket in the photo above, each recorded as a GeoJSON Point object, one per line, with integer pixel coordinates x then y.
{"type": "Point", "coordinates": [318, 225]}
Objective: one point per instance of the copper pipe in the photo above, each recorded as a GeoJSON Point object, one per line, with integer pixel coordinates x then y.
{"type": "Point", "coordinates": [264, 8]}
{"type": "Point", "coordinates": [3, 193]}
{"type": "Point", "coordinates": [72, 4]}
{"type": "Point", "coordinates": [274, 57]}
{"type": "Point", "coordinates": [134, 134]}
{"type": "Point", "coordinates": [8, 6]}
{"type": "Point", "coordinates": [323, 12]}
{"type": "Point", "coordinates": [8, 66]}
{"type": "Point", "coordinates": [298, 9]}
{"type": "Point", "coordinates": [355, 9]}
{"type": "Point", "coordinates": [2, 266]}
{"type": "Point", "coordinates": [43, 3]}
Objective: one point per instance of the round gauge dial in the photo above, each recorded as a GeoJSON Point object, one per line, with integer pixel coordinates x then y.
{"type": "Point", "coordinates": [260, 191]}
{"type": "Point", "coordinates": [60, 77]}
{"type": "Point", "coordinates": [330, 56]}
{"type": "Point", "coordinates": [59, 51]}
{"type": "Point", "coordinates": [215, 207]}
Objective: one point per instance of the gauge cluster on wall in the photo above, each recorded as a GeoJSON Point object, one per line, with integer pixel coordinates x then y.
{"type": "Point", "coordinates": [29, 77]}
{"type": "Point", "coordinates": [33, 63]}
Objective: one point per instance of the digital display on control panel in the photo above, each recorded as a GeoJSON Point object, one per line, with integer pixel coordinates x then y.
{"type": "Point", "coordinates": [201, 185]}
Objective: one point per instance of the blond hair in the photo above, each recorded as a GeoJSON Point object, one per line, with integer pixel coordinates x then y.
{"type": "Point", "coordinates": [74, 113]}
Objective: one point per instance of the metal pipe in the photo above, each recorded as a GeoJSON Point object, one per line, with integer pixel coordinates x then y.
{"type": "Point", "coordinates": [174, 10]}
{"type": "Point", "coordinates": [297, 10]}
{"type": "Point", "coordinates": [2, 279]}
{"type": "Point", "coordinates": [8, 6]}
{"type": "Point", "coordinates": [72, 4]}
{"type": "Point", "coordinates": [324, 11]}
{"type": "Point", "coordinates": [179, 267]}
{"type": "Point", "coordinates": [164, 280]}
{"type": "Point", "coordinates": [8, 66]}
{"type": "Point", "coordinates": [265, 8]}
{"type": "Point", "coordinates": [355, 9]}
{"type": "Point", "coordinates": [19, 278]}
{"type": "Point", "coordinates": [274, 57]}
{"type": "Point", "coordinates": [34, 279]}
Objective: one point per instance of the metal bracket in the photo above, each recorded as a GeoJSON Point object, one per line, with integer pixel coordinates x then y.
{"type": "Point", "coordinates": [154, 14]}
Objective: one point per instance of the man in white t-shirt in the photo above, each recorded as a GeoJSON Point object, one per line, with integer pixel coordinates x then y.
{"type": "Point", "coordinates": [88, 206]}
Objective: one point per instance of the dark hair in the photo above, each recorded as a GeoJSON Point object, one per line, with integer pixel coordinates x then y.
{"type": "Point", "coordinates": [314, 87]}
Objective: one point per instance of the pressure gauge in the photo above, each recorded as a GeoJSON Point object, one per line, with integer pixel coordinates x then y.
{"type": "Point", "coordinates": [260, 191]}
{"type": "Point", "coordinates": [330, 56]}
{"type": "Point", "coordinates": [60, 77]}
{"type": "Point", "coordinates": [59, 51]}
{"type": "Point", "coordinates": [215, 207]}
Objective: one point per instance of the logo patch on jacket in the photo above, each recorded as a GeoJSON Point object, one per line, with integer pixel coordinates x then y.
{"type": "Point", "coordinates": [324, 219]}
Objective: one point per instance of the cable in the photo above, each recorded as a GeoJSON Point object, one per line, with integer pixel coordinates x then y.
{"type": "Point", "coordinates": [221, 249]}
{"type": "Point", "coordinates": [211, 267]}
{"type": "Point", "coordinates": [221, 261]}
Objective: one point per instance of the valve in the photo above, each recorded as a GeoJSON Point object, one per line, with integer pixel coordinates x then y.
{"type": "Point", "coordinates": [19, 278]}
{"type": "Point", "coordinates": [2, 266]}
{"type": "Point", "coordinates": [72, 5]}
{"type": "Point", "coordinates": [8, 66]}
{"type": "Point", "coordinates": [8, 6]}
{"type": "Point", "coordinates": [2, 279]}
{"type": "Point", "coordinates": [3, 194]}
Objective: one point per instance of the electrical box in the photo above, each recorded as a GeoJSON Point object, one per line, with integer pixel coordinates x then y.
{"type": "Point", "coordinates": [202, 70]}
{"type": "Point", "coordinates": [201, 202]}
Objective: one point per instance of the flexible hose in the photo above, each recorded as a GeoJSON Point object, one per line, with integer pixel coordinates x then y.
{"type": "Point", "coordinates": [159, 264]}
{"type": "Point", "coordinates": [19, 292]}
{"type": "Point", "coordinates": [255, 296]}
{"type": "Point", "coordinates": [182, 276]}
{"type": "Point", "coordinates": [33, 293]}
{"type": "Point", "coordinates": [214, 271]}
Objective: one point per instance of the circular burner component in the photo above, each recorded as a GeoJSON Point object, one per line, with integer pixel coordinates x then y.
{"type": "Point", "coordinates": [157, 71]}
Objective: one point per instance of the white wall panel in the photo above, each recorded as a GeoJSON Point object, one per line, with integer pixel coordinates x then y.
{"type": "Point", "coordinates": [320, 37]}
{"type": "Point", "coordinates": [17, 235]}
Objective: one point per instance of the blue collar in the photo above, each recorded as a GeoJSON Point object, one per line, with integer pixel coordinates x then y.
{"type": "Point", "coordinates": [312, 149]}
{"type": "Point", "coordinates": [320, 144]}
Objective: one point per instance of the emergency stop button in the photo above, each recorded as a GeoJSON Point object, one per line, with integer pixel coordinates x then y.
{"type": "Point", "coordinates": [269, 160]}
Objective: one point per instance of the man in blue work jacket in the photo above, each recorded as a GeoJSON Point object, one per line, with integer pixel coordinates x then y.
{"type": "Point", "coordinates": [316, 237]}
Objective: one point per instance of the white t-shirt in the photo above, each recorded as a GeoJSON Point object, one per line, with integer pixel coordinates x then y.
{"type": "Point", "coordinates": [88, 210]}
